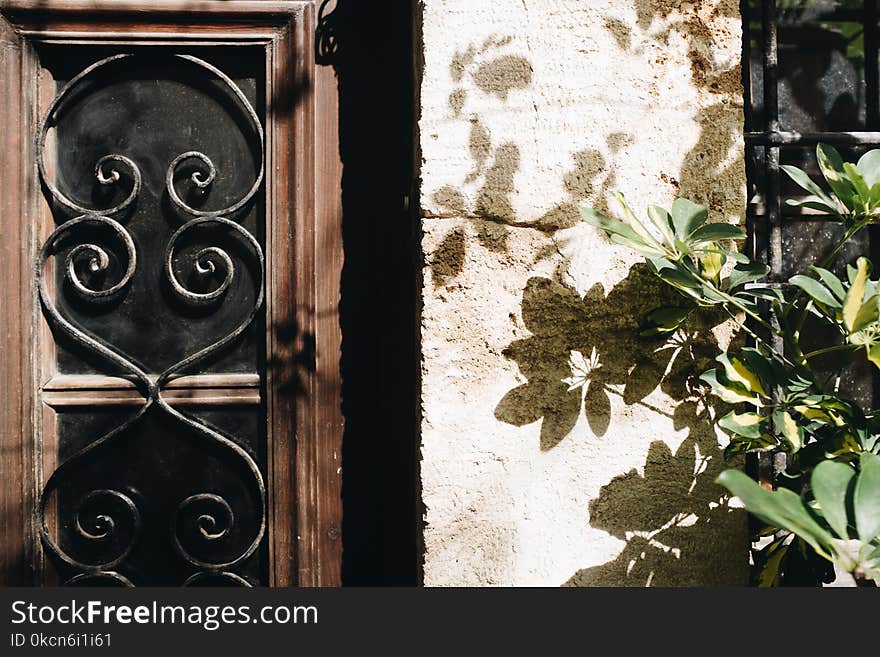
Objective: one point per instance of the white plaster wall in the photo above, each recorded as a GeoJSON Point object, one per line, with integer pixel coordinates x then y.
{"type": "Point", "coordinates": [529, 108]}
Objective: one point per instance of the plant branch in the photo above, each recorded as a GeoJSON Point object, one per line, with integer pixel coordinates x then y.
{"type": "Point", "coordinates": [829, 350]}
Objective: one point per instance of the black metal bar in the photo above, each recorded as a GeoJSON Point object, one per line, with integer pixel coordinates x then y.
{"type": "Point", "coordinates": [97, 512]}
{"type": "Point", "coordinates": [771, 65]}
{"type": "Point", "coordinates": [771, 163]}
{"type": "Point", "coordinates": [872, 65]}
{"type": "Point", "coordinates": [747, 75]}
{"type": "Point", "coordinates": [746, 70]}
{"type": "Point", "coordinates": [791, 138]}
{"type": "Point", "coordinates": [771, 112]}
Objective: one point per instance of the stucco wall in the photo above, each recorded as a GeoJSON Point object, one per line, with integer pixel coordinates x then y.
{"type": "Point", "coordinates": [528, 108]}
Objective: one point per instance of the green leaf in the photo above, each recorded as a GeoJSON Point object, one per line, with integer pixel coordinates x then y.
{"type": "Point", "coordinates": [742, 424]}
{"type": "Point", "coordinates": [637, 246]}
{"type": "Point", "coordinates": [634, 222]}
{"type": "Point", "coordinates": [660, 218]}
{"type": "Point", "coordinates": [781, 508]}
{"type": "Point", "coordinates": [816, 290]}
{"type": "Point", "coordinates": [852, 304]}
{"type": "Point", "coordinates": [873, 353]}
{"type": "Point", "coordinates": [619, 232]}
{"type": "Point", "coordinates": [744, 273]}
{"type": "Point", "coordinates": [767, 293]}
{"type": "Point", "coordinates": [803, 180]}
{"type": "Point", "coordinates": [866, 499]}
{"type": "Point", "coordinates": [873, 557]}
{"type": "Point", "coordinates": [813, 205]}
{"type": "Point", "coordinates": [664, 320]}
{"type": "Point", "coordinates": [831, 482]}
{"type": "Point", "coordinates": [869, 166]}
{"type": "Point", "coordinates": [857, 181]}
{"type": "Point", "coordinates": [761, 366]}
{"type": "Point", "coordinates": [741, 445]}
{"type": "Point", "coordinates": [715, 232]}
{"type": "Point", "coordinates": [874, 196]}
{"type": "Point", "coordinates": [831, 165]}
{"type": "Point", "coordinates": [679, 277]}
{"type": "Point", "coordinates": [687, 216]}
{"type": "Point", "coordinates": [832, 282]}
{"type": "Point", "coordinates": [851, 273]}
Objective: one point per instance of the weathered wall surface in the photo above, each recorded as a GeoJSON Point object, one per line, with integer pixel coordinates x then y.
{"type": "Point", "coordinates": [529, 108]}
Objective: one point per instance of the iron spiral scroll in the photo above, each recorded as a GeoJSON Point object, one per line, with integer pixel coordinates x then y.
{"type": "Point", "coordinates": [108, 517]}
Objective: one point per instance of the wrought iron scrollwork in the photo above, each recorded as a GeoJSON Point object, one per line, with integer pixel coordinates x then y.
{"type": "Point", "coordinates": [111, 518]}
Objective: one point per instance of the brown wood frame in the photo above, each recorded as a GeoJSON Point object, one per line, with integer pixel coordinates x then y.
{"type": "Point", "coordinates": [303, 267]}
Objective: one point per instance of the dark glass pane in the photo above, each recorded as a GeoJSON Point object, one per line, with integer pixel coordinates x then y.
{"type": "Point", "coordinates": [805, 243]}
{"type": "Point", "coordinates": [151, 110]}
{"type": "Point", "coordinates": [753, 60]}
{"type": "Point", "coordinates": [821, 66]}
{"type": "Point", "coordinates": [857, 383]}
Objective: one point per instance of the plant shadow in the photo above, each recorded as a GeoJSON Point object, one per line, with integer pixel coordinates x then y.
{"type": "Point", "coordinates": [585, 355]}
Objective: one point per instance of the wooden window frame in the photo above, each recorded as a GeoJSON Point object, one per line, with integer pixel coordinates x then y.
{"type": "Point", "coordinates": [303, 268]}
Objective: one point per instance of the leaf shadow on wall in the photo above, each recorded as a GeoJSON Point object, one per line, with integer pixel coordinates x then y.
{"type": "Point", "coordinates": [676, 522]}
{"type": "Point", "coordinates": [594, 340]}
{"type": "Point", "coordinates": [582, 353]}
{"type": "Point", "coordinates": [709, 160]}
{"type": "Point", "coordinates": [486, 71]}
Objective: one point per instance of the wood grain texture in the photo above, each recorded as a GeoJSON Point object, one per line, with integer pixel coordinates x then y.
{"type": "Point", "coordinates": [201, 390]}
{"type": "Point", "coordinates": [140, 12]}
{"type": "Point", "coordinates": [303, 249]}
{"type": "Point", "coordinates": [15, 402]}
{"type": "Point", "coordinates": [317, 223]}
{"type": "Point", "coordinates": [329, 424]}
{"type": "Point", "coordinates": [280, 320]}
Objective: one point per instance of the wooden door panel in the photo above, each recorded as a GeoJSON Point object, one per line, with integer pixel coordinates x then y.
{"type": "Point", "coordinates": [180, 423]}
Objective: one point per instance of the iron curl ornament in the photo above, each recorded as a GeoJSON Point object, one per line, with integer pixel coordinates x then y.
{"type": "Point", "coordinates": [107, 518]}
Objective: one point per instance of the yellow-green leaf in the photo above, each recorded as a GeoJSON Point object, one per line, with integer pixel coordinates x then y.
{"type": "Point", "coordinates": [853, 302]}
{"type": "Point", "coordinates": [815, 414]}
{"type": "Point", "coordinates": [769, 566]}
{"type": "Point", "coordinates": [831, 165]}
{"type": "Point", "coordinates": [738, 372]}
{"type": "Point", "coordinates": [712, 263]}
{"type": "Point", "coordinates": [873, 352]}
{"type": "Point", "coordinates": [792, 433]}
{"type": "Point", "coordinates": [742, 424]}
{"type": "Point", "coordinates": [732, 393]}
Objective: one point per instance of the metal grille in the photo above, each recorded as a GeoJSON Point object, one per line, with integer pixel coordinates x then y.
{"type": "Point", "coordinates": [162, 492]}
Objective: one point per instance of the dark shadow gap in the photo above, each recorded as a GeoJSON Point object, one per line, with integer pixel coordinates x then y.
{"type": "Point", "coordinates": [370, 46]}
